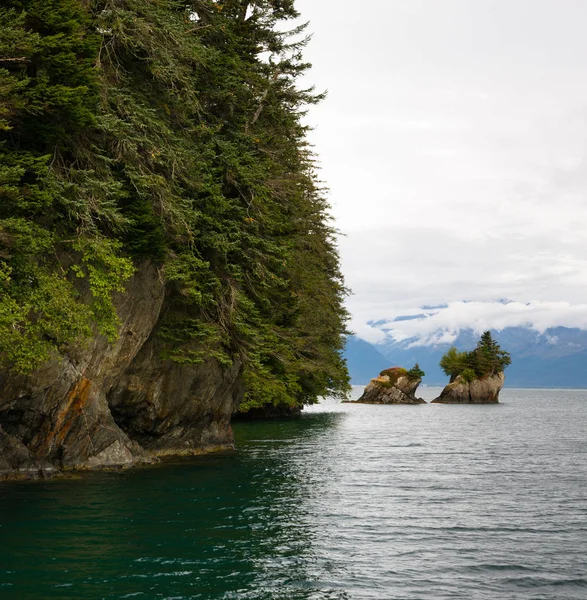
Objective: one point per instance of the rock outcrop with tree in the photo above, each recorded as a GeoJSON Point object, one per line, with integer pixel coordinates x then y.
{"type": "Point", "coordinates": [394, 386]}
{"type": "Point", "coordinates": [476, 377]}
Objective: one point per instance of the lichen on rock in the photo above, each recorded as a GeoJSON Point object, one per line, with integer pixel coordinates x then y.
{"type": "Point", "coordinates": [393, 386]}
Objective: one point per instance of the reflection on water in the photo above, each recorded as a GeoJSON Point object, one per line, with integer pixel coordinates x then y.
{"type": "Point", "coordinates": [194, 528]}
{"type": "Point", "coordinates": [348, 502]}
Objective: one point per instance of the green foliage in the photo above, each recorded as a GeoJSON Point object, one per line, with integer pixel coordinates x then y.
{"type": "Point", "coordinates": [37, 323]}
{"type": "Point", "coordinates": [488, 358]}
{"type": "Point", "coordinates": [168, 131]}
{"type": "Point", "coordinates": [40, 310]}
{"type": "Point", "coordinates": [416, 372]}
{"type": "Point", "coordinates": [54, 210]}
{"type": "Point", "coordinates": [485, 360]}
{"type": "Point", "coordinates": [106, 273]}
{"type": "Point", "coordinates": [453, 363]}
{"type": "Point", "coordinates": [468, 375]}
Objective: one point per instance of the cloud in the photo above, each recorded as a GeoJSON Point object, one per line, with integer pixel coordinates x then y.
{"type": "Point", "coordinates": [395, 271]}
{"type": "Point", "coordinates": [454, 144]}
{"type": "Point", "coordinates": [442, 325]}
{"type": "Point", "coordinates": [369, 333]}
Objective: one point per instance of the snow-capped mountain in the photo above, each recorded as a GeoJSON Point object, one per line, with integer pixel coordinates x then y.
{"type": "Point", "coordinates": [555, 358]}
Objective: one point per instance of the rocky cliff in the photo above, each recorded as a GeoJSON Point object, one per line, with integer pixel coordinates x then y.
{"type": "Point", "coordinates": [393, 386]}
{"type": "Point", "coordinates": [164, 240]}
{"type": "Point", "coordinates": [478, 391]}
{"type": "Point", "coordinates": [116, 405]}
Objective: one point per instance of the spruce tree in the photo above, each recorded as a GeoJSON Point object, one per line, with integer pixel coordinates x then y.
{"type": "Point", "coordinates": [485, 360]}
{"type": "Point", "coordinates": [167, 131]}
{"type": "Point", "coordinates": [52, 208]}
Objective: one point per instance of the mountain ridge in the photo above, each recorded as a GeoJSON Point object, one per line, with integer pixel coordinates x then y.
{"type": "Point", "coordinates": [554, 358]}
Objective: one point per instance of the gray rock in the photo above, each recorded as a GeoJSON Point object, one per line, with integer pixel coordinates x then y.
{"type": "Point", "coordinates": [18, 462]}
{"type": "Point", "coordinates": [116, 405]}
{"type": "Point", "coordinates": [382, 391]}
{"type": "Point", "coordinates": [478, 391]}
{"type": "Point", "coordinates": [170, 408]}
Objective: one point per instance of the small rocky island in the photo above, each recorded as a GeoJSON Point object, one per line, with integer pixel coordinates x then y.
{"type": "Point", "coordinates": [476, 377]}
{"type": "Point", "coordinates": [393, 386]}
{"type": "Point", "coordinates": [478, 391]}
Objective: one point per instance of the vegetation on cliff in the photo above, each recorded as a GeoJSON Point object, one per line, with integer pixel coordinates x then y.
{"type": "Point", "coordinates": [167, 131]}
{"type": "Point", "coordinates": [390, 376]}
{"type": "Point", "coordinates": [395, 385]}
{"type": "Point", "coordinates": [485, 360]}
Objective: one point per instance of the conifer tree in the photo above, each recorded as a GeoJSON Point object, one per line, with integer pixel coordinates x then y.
{"type": "Point", "coordinates": [51, 205]}
{"type": "Point", "coordinates": [168, 131]}
{"type": "Point", "coordinates": [485, 360]}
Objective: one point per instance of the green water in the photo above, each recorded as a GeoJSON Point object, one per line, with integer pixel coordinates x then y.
{"type": "Point", "coordinates": [220, 526]}
{"type": "Point", "coordinates": [351, 502]}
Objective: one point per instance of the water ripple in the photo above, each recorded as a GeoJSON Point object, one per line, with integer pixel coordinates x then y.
{"type": "Point", "coordinates": [351, 502]}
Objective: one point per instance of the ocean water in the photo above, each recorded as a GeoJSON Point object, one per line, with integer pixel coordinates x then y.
{"type": "Point", "coordinates": [349, 502]}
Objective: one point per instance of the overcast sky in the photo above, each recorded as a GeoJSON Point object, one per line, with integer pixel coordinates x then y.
{"type": "Point", "coordinates": [454, 144]}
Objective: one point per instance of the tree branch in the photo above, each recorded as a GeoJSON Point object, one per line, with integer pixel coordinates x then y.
{"type": "Point", "coordinates": [22, 59]}
{"type": "Point", "coordinates": [262, 100]}
{"type": "Point", "coordinates": [244, 8]}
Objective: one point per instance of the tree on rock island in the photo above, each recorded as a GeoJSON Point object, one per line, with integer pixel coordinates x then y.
{"type": "Point", "coordinates": [485, 360]}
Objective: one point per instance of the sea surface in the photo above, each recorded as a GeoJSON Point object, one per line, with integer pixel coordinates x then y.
{"type": "Point", "coordinates": [348, 502]}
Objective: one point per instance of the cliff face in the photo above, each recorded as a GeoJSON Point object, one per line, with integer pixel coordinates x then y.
{"type": "Point", "coordinates": [115, 405]}
{"type": "Point", "coordinates": [478, 391]}
{"type": "Point", "coordinates": [174, 409]}
{"type": "Point", "coordinates": [173, 160]}
{"type": "Point", "coordinates": [382, 390]}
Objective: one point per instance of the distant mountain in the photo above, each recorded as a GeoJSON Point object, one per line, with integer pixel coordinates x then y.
{"type": "Point", "coordinates": [363, 360]}
{"type": "Point", "coordinates": [555, 358]}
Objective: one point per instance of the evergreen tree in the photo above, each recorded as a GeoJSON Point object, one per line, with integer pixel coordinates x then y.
{"type": "Point", "coordinates": [51, 205]}
{"type": "Point", "coordinates": [169, 131]}
{"type": "Point", "coordinates": [488, 358]}
{"type": "Point", "coordinates": [453, 362]}
{"type": "Point", "coordinates": [485, 360]}
{"type": "Point", "coordinates": [416, 372]}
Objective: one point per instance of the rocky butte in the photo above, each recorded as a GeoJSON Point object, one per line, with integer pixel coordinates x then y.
{"type": "Point", "coordinates": [393, 386]}
{"type": "Point", "coordinates": [477, 391]}
{"type": "Point", "coordinates": [476, 377]}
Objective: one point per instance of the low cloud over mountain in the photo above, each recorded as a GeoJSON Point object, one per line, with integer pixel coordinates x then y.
{"type": "Point", "coordinates": [430, 326]}
{"type": "Point", "coordinates": [545, 352]}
